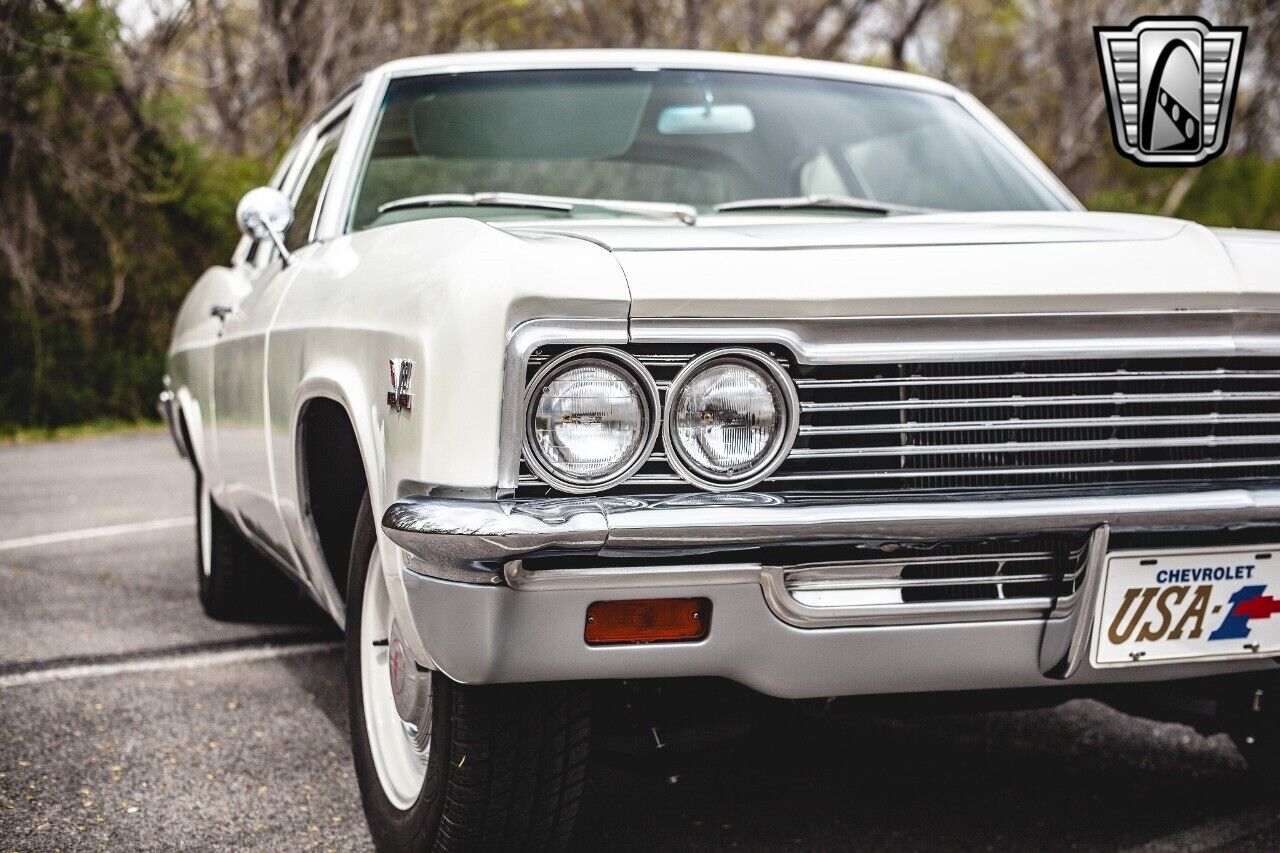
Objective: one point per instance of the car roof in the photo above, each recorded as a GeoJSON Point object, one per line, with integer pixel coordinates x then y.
{"type": "Point", "coordinates": [515, 60]}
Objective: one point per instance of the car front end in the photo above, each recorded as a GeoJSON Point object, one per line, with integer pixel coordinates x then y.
{"type": "Point", "coordinates": [859, 503]}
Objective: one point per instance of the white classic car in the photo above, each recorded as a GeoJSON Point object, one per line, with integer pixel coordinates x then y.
{"type": "Point", "coordinates": [545, 369]}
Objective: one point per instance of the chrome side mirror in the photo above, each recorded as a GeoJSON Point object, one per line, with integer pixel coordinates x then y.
{"type": "Point", "coordinates": [265, 213]}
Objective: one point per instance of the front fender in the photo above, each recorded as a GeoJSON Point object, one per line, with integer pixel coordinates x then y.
{"type": "Point", "coordinates": [448, 295]}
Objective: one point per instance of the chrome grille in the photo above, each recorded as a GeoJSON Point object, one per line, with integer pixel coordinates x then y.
{"type": "Point", "coordinates": [946, 426]}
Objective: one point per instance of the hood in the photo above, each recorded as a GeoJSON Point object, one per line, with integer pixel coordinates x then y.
{"type": "Point", "coordinates": [796, 266]}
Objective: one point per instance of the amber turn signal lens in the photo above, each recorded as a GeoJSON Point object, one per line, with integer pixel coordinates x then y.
{"type": "Point", "coordinates": [648, 620]}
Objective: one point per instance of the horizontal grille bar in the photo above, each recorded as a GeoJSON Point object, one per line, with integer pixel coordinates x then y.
{"type": "Point", "coordinates": [958, 574]}
{"type": "Point", "coordinates": [880, 574]}
{"type": "Point", "coordinates": [1117, 421]}
{"type": "Point", "coordinates": [1024, 471]}
{"type": "Point", "coordinates": [1117, 399]}
{"type": "Point", "coordinates": [1033, 446]}
{"type": "Point", "coordinates": [899, 583]}
{"type": "Point", "coordinates": [1018, 378]}
{"type": "Point", "coordinates": [891, 566]}
{"type": "Point", "coordinates": [928, 473]}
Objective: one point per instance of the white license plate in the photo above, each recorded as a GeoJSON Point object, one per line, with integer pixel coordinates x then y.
{"type": "Point", "coordinates": [1193, 604]}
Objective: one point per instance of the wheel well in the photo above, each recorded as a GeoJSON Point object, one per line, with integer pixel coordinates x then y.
{"type": "Point", "coordinates": [333, 482]}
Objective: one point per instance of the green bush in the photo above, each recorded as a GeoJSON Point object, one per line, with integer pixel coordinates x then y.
{"type": "Point", "coordinates": [1239, 192]}
{"type": "Point", "coordinates": [118, 195]}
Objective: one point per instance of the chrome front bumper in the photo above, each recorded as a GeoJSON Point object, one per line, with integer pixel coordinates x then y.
{"type": "Point", "coordinates": [485, 618]}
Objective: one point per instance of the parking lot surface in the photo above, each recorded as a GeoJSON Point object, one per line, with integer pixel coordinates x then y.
{"type": "Point", "coordinates": [128, 720]}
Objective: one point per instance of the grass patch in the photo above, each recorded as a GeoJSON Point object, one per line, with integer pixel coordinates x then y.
{"type": "Point", "coordinates": [12, 434]}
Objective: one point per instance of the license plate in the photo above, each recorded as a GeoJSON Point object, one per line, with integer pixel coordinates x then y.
{"type": "Point", "coordinates": [1193, 604]}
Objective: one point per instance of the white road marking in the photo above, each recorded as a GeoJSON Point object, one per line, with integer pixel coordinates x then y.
{"type": "Point", "coordinates": [164, 663]}
{"type": "Point", "coordinates": [94, 533]}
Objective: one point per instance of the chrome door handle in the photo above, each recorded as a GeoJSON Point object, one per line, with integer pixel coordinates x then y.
{"type": "Point", "coordinates": [221, 311]}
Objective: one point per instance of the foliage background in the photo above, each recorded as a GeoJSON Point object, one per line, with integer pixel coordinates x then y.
{"type": "Point", "coordinates": [129, 129]}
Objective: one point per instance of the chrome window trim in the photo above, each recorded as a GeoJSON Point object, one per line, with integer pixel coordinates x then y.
{"type": "Point", "coordinates": [342, 110]}
{"type": "Point", "coordinates": [1020, 151]}
{"type": "Point", "coordinates": [361, 103]}
{"type": "Point", "coordinates": [655, 418]}
{"type": "Point", "coordinates": [329, 126]}
{"type": "Point", "coordinates": [338, 221]}
{"type": "Point", "coordinates": [761, 470]}
{"type": "Point", "coordinates": [317, 136]}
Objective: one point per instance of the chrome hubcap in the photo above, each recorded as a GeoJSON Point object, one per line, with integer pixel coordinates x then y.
{"type": "Point", "coordinates": [411, 690]}
{"type": "Point", "coordinates": [397, 697]}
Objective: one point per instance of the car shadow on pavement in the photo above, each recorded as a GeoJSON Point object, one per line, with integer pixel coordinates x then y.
{"type": "Point", "coordinates": [1079, 776]}
{"type": "Point", "coordinates": [323, 679]}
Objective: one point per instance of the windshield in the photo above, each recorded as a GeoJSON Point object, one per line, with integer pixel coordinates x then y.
{"type": "Point", "coordinates": [698, 138]}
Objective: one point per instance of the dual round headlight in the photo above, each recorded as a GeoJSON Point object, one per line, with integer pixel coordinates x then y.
{"type": "Point", "coordinates": [732, 417]}
{"type": "Point", "coordinates": [591, 419]}
{"type": "Point", "coordinates": [593, 415]}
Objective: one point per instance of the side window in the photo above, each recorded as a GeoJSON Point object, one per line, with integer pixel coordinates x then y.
{"type": "Point", "coordinates": [307, 196]}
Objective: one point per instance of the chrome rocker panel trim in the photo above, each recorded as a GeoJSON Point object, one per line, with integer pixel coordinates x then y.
{"type": "Point", "coordinates": [472, 541]}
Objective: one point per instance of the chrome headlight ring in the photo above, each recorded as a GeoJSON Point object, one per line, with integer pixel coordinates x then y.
{"type": "Point", "coordinates": [780, 445]}
{"type": "Point", "coordinates": [613, 359]}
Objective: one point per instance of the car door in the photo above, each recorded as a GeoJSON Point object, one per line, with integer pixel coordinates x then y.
{"type": "Point", "coordinates": [240, 353]}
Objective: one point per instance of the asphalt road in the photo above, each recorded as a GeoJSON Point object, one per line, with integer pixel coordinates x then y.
{"type": "Point", "coordinates": [130, 721]}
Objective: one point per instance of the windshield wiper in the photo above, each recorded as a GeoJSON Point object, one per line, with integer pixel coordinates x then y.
{"type": "Point", "coordinates": [564, 204]}
{"type": "Point", "coordinates": [813, 202]}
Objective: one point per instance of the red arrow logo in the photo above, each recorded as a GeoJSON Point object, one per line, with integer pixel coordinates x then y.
{"type": "Point", "coordinates": [1258, 607]}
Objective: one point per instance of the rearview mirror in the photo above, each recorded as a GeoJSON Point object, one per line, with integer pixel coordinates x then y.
{"type": "Point", "coordinates": [265, 213]}
{"type": "Point", "coordinates": [706, 119]}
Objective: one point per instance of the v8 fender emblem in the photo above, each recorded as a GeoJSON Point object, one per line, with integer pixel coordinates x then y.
{"type": "Point", "coordinates": [399, 398]}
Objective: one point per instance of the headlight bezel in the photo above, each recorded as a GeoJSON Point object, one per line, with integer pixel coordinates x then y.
{"type": "Point", "coordinates": [782, 445]}
{"type": "Point", "coordinates": [580, 357]}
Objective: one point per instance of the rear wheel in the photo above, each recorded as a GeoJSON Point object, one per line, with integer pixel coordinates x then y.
{"type": "Point", "coordinates": [474, 767]}
{"type": "Point", "coordinates": [236, 583]}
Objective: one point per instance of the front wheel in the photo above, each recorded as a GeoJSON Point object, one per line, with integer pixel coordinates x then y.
{"type": "Point", "coordinates": [447, 766]}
